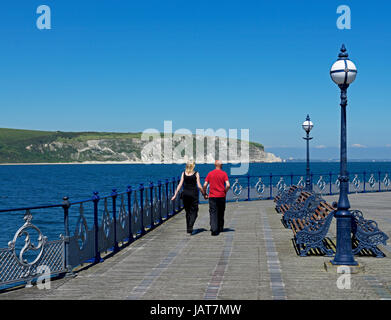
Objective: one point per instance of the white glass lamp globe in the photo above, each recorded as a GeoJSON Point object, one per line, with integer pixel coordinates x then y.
{"type": "Point", "coordinates": [343, 71]}
{"type": "Point", "coordinates": [307, 125]}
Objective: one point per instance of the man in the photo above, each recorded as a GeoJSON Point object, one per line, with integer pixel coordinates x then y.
{"type": "Point", "coordinates": [218, 187]}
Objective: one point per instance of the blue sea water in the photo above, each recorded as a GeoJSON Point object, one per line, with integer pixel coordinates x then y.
{"type": "Point", "coordinates": [33, 185]}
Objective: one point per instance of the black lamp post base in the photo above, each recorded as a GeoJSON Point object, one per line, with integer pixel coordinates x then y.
{"type": "Point", "coordinates": [344, 261]}
{"type": "Point", "coordinates": [344, 254]}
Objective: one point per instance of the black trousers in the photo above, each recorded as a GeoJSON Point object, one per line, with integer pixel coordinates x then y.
{"type": "Point", "coordinates": [216, 212]}
{"type": "Point", "coordinates": [191, 207]}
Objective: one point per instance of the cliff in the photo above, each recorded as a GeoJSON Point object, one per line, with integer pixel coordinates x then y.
{"type": "Point", "coordinates": [31, 146]}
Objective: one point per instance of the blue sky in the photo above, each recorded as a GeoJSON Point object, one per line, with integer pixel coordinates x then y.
{"type": "Point", "coordinates": [263, 65]}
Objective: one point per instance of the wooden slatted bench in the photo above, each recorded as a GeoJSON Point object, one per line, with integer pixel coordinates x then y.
{"type": "Point", "coordinates": [283, 193]}
{"type": "Point", "coordinates": [367, 234]}
{"type": "Point", "coordinates": [289, 198]}
{"type": "Point", "coordinates": [310, 232]}
{"type": "Point", "coordinates": [284, 196]}
{"type": "Point", "coordinates": [303, 196]}
{"type": "Point", "coordinates": [302, 209]}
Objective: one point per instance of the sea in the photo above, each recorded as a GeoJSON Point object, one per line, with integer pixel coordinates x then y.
{"type": "Point", "coordinates": [35, 185]}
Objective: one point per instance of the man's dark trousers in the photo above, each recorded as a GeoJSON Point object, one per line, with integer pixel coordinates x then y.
{"type": "Point", "coordinates": [216, 211]}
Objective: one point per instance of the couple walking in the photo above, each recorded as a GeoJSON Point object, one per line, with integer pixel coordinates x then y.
{"type": "Point", "coordinates": [218, 183]}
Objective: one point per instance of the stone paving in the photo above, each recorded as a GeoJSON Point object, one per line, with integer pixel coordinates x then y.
{"type": "Point", "coordinates": [254, 259]}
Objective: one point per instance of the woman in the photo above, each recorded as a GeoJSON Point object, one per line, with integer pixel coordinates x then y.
{"type": "Point", "coordinates": [191, 184]}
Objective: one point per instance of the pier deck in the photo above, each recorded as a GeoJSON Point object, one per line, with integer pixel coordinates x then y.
{"type": "Point", "coordinates": [253, 259]}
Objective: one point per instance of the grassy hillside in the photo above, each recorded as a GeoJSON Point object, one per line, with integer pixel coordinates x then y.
{"type": "Point", "coordinates": [31, 146]}
{"type": "Point", "coordinates": [28, 146]}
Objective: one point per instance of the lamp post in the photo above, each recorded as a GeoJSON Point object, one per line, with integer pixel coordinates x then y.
{"type": "Point", "coordinates": [343, 72]}
{"type": "Point", "coordinates": [307, 126]}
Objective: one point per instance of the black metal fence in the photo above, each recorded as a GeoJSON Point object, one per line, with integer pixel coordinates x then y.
{"type": "Point", "coordinates": [102, 224]}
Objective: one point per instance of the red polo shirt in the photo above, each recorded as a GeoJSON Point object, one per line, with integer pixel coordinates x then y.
{"type": "Point", "coordinates": [216, 179]}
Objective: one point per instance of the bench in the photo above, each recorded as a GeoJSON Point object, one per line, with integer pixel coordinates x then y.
{"type": "Point", "coordinates": [310, 232]}
{"type": "Point", "coordinates": [283, 192]}
{"type": "Point", "coordinates": [304, 209]}
{"type": "Point", "coordinates": [283, 195]}
{"type": "Point", "coordinates": [367, 234]}
{"type": "Point", "coordinates": [288, 199]}
{"type": "Point", "coordinates": [296, 204]}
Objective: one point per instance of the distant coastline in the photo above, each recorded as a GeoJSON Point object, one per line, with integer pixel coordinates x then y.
{"type": "Point", "coordinates": [114, 162]}
{"type": "Point", "coordinates": [30, 147]}
{"type": "Point", "coordinates": [181, 162]}
{"type": "Point", "coordinates": [70, 163]}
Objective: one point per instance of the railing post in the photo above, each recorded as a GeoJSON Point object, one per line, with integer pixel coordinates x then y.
{"type": "Point", "coordinates": [364, 174]}
{"type": "Point", "coordinates": [129, 193]}
{"type": "Point", "coordinates": [178, 179]}
{"type": "Point", "coordinates": [331, 183]}
{"type": "Point", "coordinates": [66, 205]}
{"type": "Point", "coordinates": [173, 202]}
{"type": "Point", "coordinates": [114, 195]}
{"type": "Point", "coordinates": [152, 206]}
{"type": "Point", "coordinates": [159, 185]}
{"type": "Point", "coordinates": [141, 188]}
{"type": "Point", "coordinates": [311, 181]}
{"type": "Point", "coordinates": [291, 179]}
{"type": "Point", "coordinates": [167, 203]}
{"type": "Point", "coordinates": [248, 187]}
{"type": "Point", "coordinates": [379, 181]}
{"type": "Point", "coordinates": [96, 199]}
{"type": "Point", "coordinates": [271, 186]}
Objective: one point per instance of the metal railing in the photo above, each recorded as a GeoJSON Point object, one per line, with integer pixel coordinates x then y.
{"type": "Point", "coordinates": [105, 223]}
{"type": "Point", "coordinates": [119, 218]}
{"type": "Point", "coordinates": [265, 187]}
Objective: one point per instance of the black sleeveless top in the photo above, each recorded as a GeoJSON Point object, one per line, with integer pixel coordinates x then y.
{"type": "Point", "coordinates": [190, 185]}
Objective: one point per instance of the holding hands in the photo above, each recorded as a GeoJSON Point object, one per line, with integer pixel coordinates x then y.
{"type": "Point", "coordinates": [203, 193]}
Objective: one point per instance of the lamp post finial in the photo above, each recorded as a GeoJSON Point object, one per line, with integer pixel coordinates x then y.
{"type": "Point", "coordinates": [343, 54]}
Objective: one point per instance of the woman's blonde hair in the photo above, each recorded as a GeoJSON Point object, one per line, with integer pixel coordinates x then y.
{"type": "Point", "coordinates": [190, 165]}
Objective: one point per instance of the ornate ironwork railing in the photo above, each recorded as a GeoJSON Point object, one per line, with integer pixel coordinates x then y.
{"type": "Point", "coordinates": [262, 187]}
{"type": "Point", "coordinates": [104, 223]}
{"type": "Point", "coordinates": [101, 225]}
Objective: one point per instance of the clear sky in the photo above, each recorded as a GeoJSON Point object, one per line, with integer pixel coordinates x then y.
{"type": "Point", "coordinates": [263, 65]}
